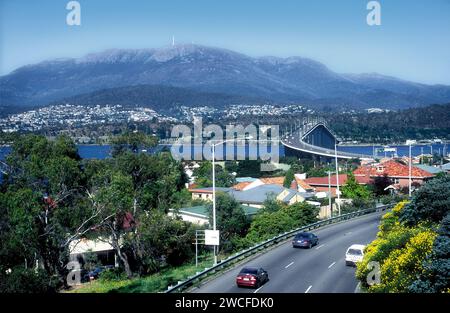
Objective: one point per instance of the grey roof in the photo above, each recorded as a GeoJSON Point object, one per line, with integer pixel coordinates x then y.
{"type": "Point", "coordinates": [223, 189]}
{"type": "Point", "coordinates": [429, 169]}
{"type": "Point", "coordinates": [258, 194]}
{"type": "Point", "coordinates": [290, 195]}
{"type": "Point", "coordinates": [245, 179]}
{"type": "Point", "coordinates": [202, 210]}
{"type": "Point", "coordinates": [446, 167]}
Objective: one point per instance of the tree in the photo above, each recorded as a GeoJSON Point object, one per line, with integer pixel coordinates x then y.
{"type": "Point", "coordinates": [436, 275]}
{"type": "Point", "coordinates": [132, 141]}
{"type": "Point", "coordinates": [43, 185]}
{"type": "Point", "coordinates": [290, 176]}
{"type": "Point", "coordinates": [268, 224]}
{"type": "Point", "coordinates": [203, 176]}
{"type": "Point", "coordinates": [249, 168]}
{"type": "Point", "coordinates": [353, 190]}
{"type": "Point", "coordinates": [50, 198]}
{"type": "Point", "coordinates": [430, 203]}
{"type": "Point", "coordinates": [231, 220]}
{"type": "Point", "coordinates": [157, 179]}
{"type": "Point", "coordinates": [163, 240]}
{"type": "Point", "coordinates": [380, 183]}
{"type": "Point", "coordinates": [112, 201]}
{"type": "Point", "coordinates": [271, 204]}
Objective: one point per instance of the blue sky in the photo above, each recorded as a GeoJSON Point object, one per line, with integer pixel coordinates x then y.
{"type": "Point", "coordinates": [412, 43]}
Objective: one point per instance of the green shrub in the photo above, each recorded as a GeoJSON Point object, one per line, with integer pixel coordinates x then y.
{"type": "Point", "coordinates": [21, 280]}
{"type": "Point", "coordinates": [112, 274]}
{"type": "Point", "coordinates": [430, 203]}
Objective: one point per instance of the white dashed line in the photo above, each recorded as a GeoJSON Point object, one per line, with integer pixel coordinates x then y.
{"type": "Point", "coordinates": [257, 289]}
{"type": "Point", "coordinates": [320, 246]}
{"type": "Point", "coordinates": [307, 290]}
{"type": "Point", "coordinates": [331, 265]}
{"type": "Point", "coordinates": [289, 265]}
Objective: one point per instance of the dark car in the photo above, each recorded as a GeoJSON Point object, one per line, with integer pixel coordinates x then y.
{"type": "Point", "coordinates": [252, 277]}
{"type": "Point", "coordinates": [305, 240]}
{"type": "Point", "coordinates": [94, 274]}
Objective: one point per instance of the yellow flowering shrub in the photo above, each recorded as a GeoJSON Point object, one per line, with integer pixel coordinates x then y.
{"type": "Point", "coordinates": [400, 251]}
{"type": "Point", "coordinates": [390, 219]}
{"type": "Point", "coordinates": [398, 207]}
{"type": "Point", "coordinates": [402, 266]}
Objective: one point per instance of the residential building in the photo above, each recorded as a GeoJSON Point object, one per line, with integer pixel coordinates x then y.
{"type": "Point", "coordinates": [321, 184]}
{"type": "Point", "coordinates": [199, 214]}
{"type": "Point", "coordinates": [255, 196]}
{"type": "Point", "coordinates": [398, 172]}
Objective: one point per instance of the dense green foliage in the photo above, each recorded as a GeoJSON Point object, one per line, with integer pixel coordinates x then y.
{"type": "Point", "coordinates": [412, 246]}
{"type": "Point", "coordinates": [203, 176]}
{"type": "Point", "coordinates": [268, 224]}
{"type": "Point", "coordinates": [353, 190]}
{"type": "Point", "coordinates": [231, 220]}
{"type": "Point", "coordinates": [289, 178]}
{"type": "Point", "coordinates": [50, 197]}
{"type": "Point", "coordinates": [394, 126]}
{"type": "Point", "coordinates": [430, 203]}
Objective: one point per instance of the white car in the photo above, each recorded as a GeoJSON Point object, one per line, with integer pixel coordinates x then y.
{"type": "Point", "coordinates": [354, 254]}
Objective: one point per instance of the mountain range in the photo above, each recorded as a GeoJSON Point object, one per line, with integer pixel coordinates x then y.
{"type": "Point", "coordinates": [199, 75]}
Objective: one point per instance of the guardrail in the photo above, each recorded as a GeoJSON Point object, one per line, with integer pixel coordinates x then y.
{"type": "Point", "coordinates": [261, 246]}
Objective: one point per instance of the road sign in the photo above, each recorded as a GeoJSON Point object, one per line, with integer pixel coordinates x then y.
{"type": "Point", "coordinates": [211, 237]}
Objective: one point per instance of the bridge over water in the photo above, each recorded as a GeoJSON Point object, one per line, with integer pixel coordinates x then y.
{"type": "Point", "coordinates": [314, 137]}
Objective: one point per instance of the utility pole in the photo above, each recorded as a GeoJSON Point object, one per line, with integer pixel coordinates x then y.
{"type": "Point", "coordinates": [410, 171]}
{"type": "Point", "coordinates": [199, 239]}
{"type": "Point", "coordinates": [329, 193]}
{"type": "Point", "coordinates": [337, 179]}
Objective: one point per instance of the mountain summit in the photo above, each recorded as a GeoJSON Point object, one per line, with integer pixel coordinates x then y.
{"type": "Point", "coordinates": [213, 70]}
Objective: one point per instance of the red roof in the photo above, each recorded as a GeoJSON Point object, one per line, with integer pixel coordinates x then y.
{"type": "Point", "coordinates": [273, 180]}
{"type": "Point", "coordinates": [241, 185]}
{"type": "Point", "coordinates": [201, 190]}
{"type": "Point", "coordinates": [325, 189]}
{"type": "Point", "coordinates": [323, 181]}
{"type": "Point", "coordinates": [303, 184]}
{"type": "Point", "coordinates": [319, 181]}
{"type": "Point", "coordinates": [391, 169]}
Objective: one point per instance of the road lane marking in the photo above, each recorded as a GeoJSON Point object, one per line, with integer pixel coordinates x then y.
{"type": "Point", "coordinates": [257, 289]}
{"type": "Point", "coordinates": [289, 265]}
{"type": "Point", "coordinates": [320, 246]}
{"type": "Point", "coordinates": [308, 289]}
{"type": "Point", "coordinates": [331, 265]}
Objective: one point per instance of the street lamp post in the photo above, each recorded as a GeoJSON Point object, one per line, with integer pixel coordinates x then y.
{"type": "Point", "coordinates": [214, 196]}
{"type": "Point", "coordinates": [214, 178]}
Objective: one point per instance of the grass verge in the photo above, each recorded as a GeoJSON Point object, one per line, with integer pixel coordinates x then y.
{"type": "Point", "coordinates": [153, 283]}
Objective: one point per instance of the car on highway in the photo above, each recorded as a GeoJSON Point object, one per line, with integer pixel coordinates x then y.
{"type": "Point", "coordinates": [252, 277]}
{"type": "Point", "coordinates": [305, 240]}
{"type": "Point", "coordinates": [354, 254]}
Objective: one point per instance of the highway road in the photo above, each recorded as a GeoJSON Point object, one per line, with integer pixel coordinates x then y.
{"type": "Point", "coordinates": [318, 270]}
